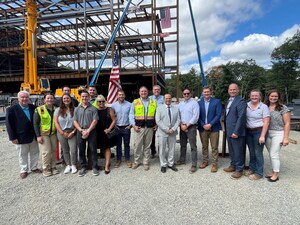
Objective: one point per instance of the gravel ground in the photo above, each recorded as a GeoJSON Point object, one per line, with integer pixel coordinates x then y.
{"type": "Point", "coordinates": [127, 196]}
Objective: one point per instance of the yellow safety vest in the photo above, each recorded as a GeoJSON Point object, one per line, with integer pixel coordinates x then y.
{"type": "Point", "coordinates": [139, 113]}
{"type": "Point", "coordinates": [47, 122]}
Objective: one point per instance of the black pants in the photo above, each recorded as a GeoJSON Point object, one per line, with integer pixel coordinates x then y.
{"type": "Point", "coordinates": [92, 146]}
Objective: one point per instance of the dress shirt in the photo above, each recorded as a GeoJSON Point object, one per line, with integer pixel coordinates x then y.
{"type": "Point", "coordinates": [131, 113]}
{"type": "Point", "coordinates": [122, 112]}
{"type": "Point", "coordinates": [25, 110]}
{"type": "Point", "coordinates": [229, 104]}
{"type": "Point", "coordinates": [189, 111]}
{"type": "Point", "coordinates": [159, 99]}
{"type": "Point", "coordinates": [206, 105]}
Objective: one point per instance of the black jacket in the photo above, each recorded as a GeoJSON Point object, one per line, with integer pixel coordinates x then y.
{"type": "Point", "coordinates": [18, 125]}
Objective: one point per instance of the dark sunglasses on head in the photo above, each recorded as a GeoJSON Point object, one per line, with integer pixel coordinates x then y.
{"type": "Point", "coordinates": [101, 101]}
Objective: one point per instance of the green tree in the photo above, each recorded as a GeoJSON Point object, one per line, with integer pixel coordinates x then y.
{"type": "Point", "coordinates": [285, 69]}
{"type": "Point", "coordinates": [191, 80]}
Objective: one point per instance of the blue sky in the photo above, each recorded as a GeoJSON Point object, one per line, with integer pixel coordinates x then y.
{"type": "Point", "coordinates": [235, 30]}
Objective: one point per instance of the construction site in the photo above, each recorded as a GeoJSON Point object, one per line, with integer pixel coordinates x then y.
{"type": "Point", "coordinates": [73, 42]}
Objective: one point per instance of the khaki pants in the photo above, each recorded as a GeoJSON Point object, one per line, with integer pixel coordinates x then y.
{"type": "Point", "coordinates": [213, 137]}
{"type": "Point", "coordinates": [142, 145]}
{"type": "Point", "coordinates": [28, 153]}
{"type": "Point", "coordinates": [48, 151]}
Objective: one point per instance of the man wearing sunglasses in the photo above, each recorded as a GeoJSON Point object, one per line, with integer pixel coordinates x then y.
{"type": "Point", "coordinates": [189, 114]}
{"type": "Point", "coordinates": [142, 119]}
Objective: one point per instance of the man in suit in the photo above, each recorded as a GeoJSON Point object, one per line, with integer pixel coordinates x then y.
{"type": "Point", "coordinates": [235, 127]}
{"type": "Point", "coordinates": [209, 126]}
{"type": "Point", "coordinates": [167, 119]}
{"type": "Point", "coordinates": [19, 124]}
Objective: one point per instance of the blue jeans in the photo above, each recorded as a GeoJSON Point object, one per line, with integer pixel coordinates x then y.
{"type": "Point", "coordinates": [124, 134]}
{"type": "Point", "coordinates": [256, 163]}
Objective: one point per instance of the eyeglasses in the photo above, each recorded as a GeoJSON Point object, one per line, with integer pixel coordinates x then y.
{"type": "Point", "coordinates": [186, 93]}
{"type": "Point", "coordinates": [101, 101]}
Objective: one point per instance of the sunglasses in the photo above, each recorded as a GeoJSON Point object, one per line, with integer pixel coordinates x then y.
{"type": "Point", "coordinates": [186, 93]}
{"type": "Point", "coordinates": [101, 101]}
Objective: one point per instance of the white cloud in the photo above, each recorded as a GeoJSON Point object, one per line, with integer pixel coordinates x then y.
{"type": "Point", "coordinates": [255, 46]}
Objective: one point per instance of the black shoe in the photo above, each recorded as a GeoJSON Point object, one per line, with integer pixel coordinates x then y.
{"type": "Point", "coordinates": [152, 156]}
{"type": "Point", "coordinates": [268, 176]}
{"type": "Point", "coordinates": [173, 168]}
{"type": "Point", "coordinates": [95, 172]}
{"type": "Point", "coordinates": [163, 169]}
{"type": "Point", "coordinates": [82, 172]}
{"type": "Point", "coordinates": [107, 172]}
{"type": "Point", "coordinates": [271, 180]}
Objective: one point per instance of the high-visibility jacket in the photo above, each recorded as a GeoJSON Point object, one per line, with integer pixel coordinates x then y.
{"type": "Point", "coordinates": [47, 126]}
{"type": "Point", "coordinates": [139, 113]}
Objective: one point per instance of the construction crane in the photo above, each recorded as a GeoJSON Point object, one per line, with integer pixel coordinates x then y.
{"type": "Point", "coordinates": [34, 86]}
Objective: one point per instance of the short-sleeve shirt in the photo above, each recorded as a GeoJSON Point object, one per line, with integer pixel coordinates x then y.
{"type": "Point", "coordinates": [85, 116]}
{"type": "Point", "coordinates": [255, 118]}
{"type": "Point", "coordinates": [276, 122]}
{"type": "Point", "coordinates": [65, 122]}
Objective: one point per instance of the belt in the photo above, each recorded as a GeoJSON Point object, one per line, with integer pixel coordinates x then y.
{"type": "Point", "coordinates": [123, 126]}
{"type": "Point", "coordinates": [254, 129]}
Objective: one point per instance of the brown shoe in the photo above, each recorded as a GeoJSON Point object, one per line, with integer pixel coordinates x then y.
{"type": "Point", "coordinates": [193, 169]}
{"type": "Point", "coordinates": [214, 168]}
{"type": "Point", "coordinates": [247, 173]}
{"type": "Point", "coordinates": [179, 162]}
{"type": "Point", "coordinates": [37, 171]}
{"type": "Point", "coordinates": [55, 171]}
{"type": "Point", "coordinates": [118, 163]}
{"type": "Point", "coordinates": [203, 165]}
{"type": "Point", "coordinates": [135, 165]}
{"type": "Point", "coordinates": [236, 175]}
{"type": "Point", "coordinates": [23, 175]}
{"type": "Point", "coordinates": [255, 177]}
{"type": "Point", "coordinates": [47, 173]}
{"type": "Point", "coordinates": [146, 167]}
{"type": "Point", "coordinates": [128, 163]}
{"type": "Point", "coordinates": [229, 169]}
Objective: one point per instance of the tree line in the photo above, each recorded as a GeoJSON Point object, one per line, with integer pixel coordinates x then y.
{"type": "Point", "coordinates": [284, 75]}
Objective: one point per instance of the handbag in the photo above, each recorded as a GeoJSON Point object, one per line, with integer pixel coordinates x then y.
{"type": "Point", "coordinates": [114, 132]}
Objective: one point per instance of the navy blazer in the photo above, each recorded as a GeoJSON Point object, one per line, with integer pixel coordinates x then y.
{"type": "Point", "coordinates": [235, 120]}
{"type": "Point", "coordinates": [18, 125]}
{"type": "Point", "coordinates": [213, 115]}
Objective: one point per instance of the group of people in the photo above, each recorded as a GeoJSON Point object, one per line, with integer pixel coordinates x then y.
{"type": "Point", "coordinates": [82, 129]}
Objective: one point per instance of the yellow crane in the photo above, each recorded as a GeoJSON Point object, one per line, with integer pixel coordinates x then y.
{"type": "Point", "coordinates": [31, 83]}
{"type": "Point", "coordinates": [35, 86]}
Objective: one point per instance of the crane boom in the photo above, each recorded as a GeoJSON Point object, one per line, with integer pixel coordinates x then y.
{"type": "Point", "coordinates": [111, 39]}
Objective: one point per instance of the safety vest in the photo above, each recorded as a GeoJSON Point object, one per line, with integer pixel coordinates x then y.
{"type": "Point", "coordinates": [139, 113]}
{"type": "Point", "coordinates": [47, 126]}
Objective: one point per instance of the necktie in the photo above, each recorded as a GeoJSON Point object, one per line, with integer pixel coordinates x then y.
{"type": "Point", "coordinates": [169, 112]}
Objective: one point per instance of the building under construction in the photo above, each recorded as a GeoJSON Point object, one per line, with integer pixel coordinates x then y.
{"type": "Point", "coordinates": [72, 36]}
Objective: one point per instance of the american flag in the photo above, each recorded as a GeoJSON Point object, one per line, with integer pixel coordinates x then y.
{"type": "Point", "coordinates": [165, 18]}
{"type": "Point", "coordinates": [114, 81]}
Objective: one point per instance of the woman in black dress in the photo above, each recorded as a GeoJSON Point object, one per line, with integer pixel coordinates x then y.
{"type": "Point", "coordinates": [105, 124]}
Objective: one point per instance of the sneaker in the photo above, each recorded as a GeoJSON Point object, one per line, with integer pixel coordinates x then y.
{"type": "Point", "coordinates": [254, 177]}
{"type": "Point", "coordinates": [82, 172]}
{"type": "Point", "coordinates": [134, 166]}
{"type": "Point", "coordinates": [118, 163]}
{"type": "Point", "coordinates": [54, 171]}
{"type": "Point", "coordinates": [236, 175]}
{"type": "Point", "coordinates": [203, 165]}
{"type": "Point", "coordinates": [229, 169]}
{"type": "Point", "coordinates": [247, 173]}
{"type": "Point", "coordinates": [128, 163]}
{"type": "Point", "coordinates": [146, 167]}
{"type": "Point", "coordinates": [95, 172]}
{"type": "Point", "coordinates": [67, 169]}
{"type": "Point", "coordinates": [193, 169]}
{"type": "Point", "coordinates": [74, 169]}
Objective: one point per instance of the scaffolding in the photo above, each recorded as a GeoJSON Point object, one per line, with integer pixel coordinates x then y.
{"type": "Point", "coordinates": [72, 34]}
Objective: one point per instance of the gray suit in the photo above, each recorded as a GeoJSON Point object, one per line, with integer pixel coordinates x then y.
{"type": "Point", "coordinates": [166, 156]}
